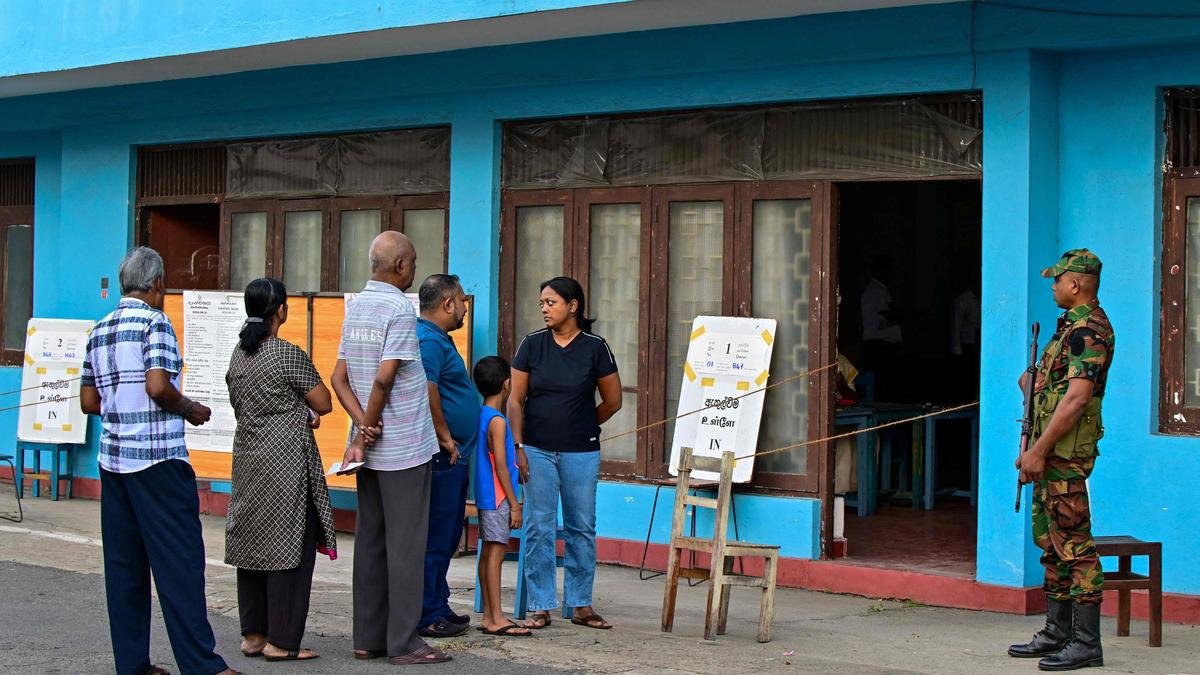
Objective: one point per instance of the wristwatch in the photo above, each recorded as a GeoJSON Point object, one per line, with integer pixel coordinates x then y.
{"type": "Point", "coordinates": [519, 446]}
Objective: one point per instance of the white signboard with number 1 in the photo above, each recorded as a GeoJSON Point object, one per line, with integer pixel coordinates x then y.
{"type": "Point", "coordinates": [724, 373]}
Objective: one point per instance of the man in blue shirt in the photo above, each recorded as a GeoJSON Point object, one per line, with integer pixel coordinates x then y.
{"type": "Point", "coordinates": [454, 406]}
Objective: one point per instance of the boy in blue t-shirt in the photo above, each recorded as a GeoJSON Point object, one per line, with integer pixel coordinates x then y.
{"type": "Point", "coordinates": [499, 511]}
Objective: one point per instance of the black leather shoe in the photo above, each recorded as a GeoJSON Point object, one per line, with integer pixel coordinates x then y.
{"type": "Point", "coordinates": [1050, 639]}
{"type": "Point", "coordinates": [1084, 648]}
{"type": "Point", "coordinates": [444, 629]}
{"type": "Point", "coordinates": [460, 619]}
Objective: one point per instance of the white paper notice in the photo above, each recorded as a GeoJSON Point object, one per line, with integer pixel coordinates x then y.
{"type": "Point", "coordinates": [727, 354]}
{"type": "Point", "coordinates": [54, 397]}
{"type": "Point", "coordinates": [211, 323]}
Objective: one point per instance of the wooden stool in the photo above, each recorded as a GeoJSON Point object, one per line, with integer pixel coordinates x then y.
{"type": "Point", "coordinates": [721, 552]}
{"type": "Point", "coordinates": [1125, 580]}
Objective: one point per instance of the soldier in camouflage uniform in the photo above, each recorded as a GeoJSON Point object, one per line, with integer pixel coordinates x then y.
{"type": "Point", "coordinates": [1069, 387]}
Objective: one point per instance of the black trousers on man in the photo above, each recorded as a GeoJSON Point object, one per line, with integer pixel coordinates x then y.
{"type": "Point", "coordinates": [150, 523]}
{"type": "Point", "coordinates": [274, 603]}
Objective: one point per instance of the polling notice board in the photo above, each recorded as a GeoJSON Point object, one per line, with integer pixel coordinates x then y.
{"type": "Point", "coordinates": [54, 352]}
{"type": "Point", "coordinates": [211, 323]}
{"type": "Point", "coordinates": [725, 371]}
{"type": "Point", "coordinates": [314, 324]}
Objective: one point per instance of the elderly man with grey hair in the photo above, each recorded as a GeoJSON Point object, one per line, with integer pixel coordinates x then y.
{"type": "Point", "coordinates": [380, 381]}
{"type": "Point", "coordinates": [149, 510]}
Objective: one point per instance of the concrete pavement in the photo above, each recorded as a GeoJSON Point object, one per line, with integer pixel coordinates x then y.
{"type": "Point", "coordinates": [814, 632]}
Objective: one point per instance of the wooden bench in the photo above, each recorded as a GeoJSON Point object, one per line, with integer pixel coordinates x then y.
{"type": "Point", "coordinates": [1125, 580]}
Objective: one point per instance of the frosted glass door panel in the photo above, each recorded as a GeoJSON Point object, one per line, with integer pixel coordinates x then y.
{"type": "Point", "coordinates": [427, 230]}
{"type": "Point", "coordinates": [358, 228]}
{"type": "Point", "coordinates": [695, 283]}
{"type": "Point", "coordinates": [539, 257]}
{"type": "Point", "coordinates": [247, 248]}
{"type": "Point", "coordinates": [302, 251]}
{"type": "Point", "coordinates": [782, 236]}
{"type": "Point", "coordinates": [615, 301]}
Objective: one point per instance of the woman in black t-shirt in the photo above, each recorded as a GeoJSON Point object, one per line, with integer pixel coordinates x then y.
{"type": "Point", "coordinates": [556, 425]}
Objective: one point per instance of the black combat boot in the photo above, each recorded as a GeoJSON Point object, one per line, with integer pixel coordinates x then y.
{"type": "Point", "coordinates": [1084, 648]}
{"type": "Point", "coordinates": [1051, 638]}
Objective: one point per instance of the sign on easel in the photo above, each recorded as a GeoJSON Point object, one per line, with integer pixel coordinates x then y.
{"type": "Point", "coordinates": [727, 358]}
{"type": "Point", "coordinates": [54, 352]}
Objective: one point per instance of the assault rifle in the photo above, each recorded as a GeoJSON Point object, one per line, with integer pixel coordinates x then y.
{"type": "Point", "coordinates": [1027, 419]}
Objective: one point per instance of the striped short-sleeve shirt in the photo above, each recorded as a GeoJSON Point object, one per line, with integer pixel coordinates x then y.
{"type": "Point", "coordinates": [137, 433]}
{"type": "Point", "coordinates": [381, 325]}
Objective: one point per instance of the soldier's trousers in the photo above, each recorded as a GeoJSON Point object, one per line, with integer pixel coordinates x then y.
{"type": "Point", "coordinates": [1062, 528]}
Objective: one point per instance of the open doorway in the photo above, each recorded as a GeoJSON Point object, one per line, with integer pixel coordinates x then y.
{"type": "Point", "coordinates": [909, 262]}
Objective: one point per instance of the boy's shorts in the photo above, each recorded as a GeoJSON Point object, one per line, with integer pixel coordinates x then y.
{"type": "Point", "coordinates": [493, 524]}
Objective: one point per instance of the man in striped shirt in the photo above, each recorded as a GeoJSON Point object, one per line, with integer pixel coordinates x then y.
{"type": "Point", "coordinates": [149, 510]}
{"type": "Point", "coordinates": [380, 381]}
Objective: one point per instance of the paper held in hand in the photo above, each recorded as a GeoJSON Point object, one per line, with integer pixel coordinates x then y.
{"type": "Point", "coordinates": [338, 469]}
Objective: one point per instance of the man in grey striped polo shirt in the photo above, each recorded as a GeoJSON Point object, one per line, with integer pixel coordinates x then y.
{"type": "Point", "coordinates": [380, 381]}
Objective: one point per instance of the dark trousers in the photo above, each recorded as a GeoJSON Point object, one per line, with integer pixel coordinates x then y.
{"type": "Point", "coordinates": [389, 557]}
{"type": "Point", "coordinates": [447, 507]}
{"type": "Point", "coordinates": [274, 603]}
{"type": "Point", "coordinates": [150, 524]}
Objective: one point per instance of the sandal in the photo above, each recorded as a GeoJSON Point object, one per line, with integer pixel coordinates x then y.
{"type": "Point", "coordinates": [251, 655]}
{"type": "Point", "coordinates": [507, 631]}
{"type": "Point", "coordinates": [157, 670]}
{"type": "Point", "coordinates": [425, 654]}
{"type": "Point", "coordinates": [542, 617]}
{"type": "Point", "coordinates": [294, 655]}
{"type": "Point", "coordinates": [590, 621]}
{"type": "Point", "coordinates": [368, 654]}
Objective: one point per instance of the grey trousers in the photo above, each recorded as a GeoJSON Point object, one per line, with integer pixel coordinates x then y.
{"type": "Point", "coordinates": [389, 558]}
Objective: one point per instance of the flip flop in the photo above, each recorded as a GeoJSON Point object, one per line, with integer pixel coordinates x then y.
{"type": "Point", "coordinates": [251, 655]}
{"type": "Point", "coordinates": [423, 655]}
{"type": "Point", "coordinates": [587, 621]}
{"type": "Point", "coordinates": [292, 655]}
{"type": "Point", "coordinates": [157, 670]}
{"type": "Point", "coordinates": [506, 631]}
{"type": "Point", "coordinates": [368, 654]}
{"type": "Point", "coordinates": [544, 618]}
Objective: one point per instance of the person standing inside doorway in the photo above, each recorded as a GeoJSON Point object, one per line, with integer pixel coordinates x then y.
{"type": "Point", "coordinates": [1070, 383]}
{"type": "Point", "coordinates": [379, 380]}
{"type": "Point", "coordinates": [454, 406]}
{"type": "Point", "coordinates": [149, 509]}
{"type": "Point", "coordinates": [882, 335]}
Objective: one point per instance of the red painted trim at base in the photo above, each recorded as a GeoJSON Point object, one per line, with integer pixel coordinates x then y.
{"type": "Point", "coordinates": [816, 575]}
{"type": "Point", "coordinates": [930, 589]}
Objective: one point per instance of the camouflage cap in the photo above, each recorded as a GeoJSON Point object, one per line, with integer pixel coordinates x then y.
{"type": "Point", "coordinates": [1078, 260]}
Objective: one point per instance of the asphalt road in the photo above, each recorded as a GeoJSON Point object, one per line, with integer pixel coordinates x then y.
{"type": "Point", "coordinates": [54, 621]}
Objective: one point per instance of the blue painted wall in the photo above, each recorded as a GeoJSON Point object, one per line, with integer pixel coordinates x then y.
{"type": "Point", "coordinates": [47, 36]}
{"type": "Point", "coordinates": [1071, 158]}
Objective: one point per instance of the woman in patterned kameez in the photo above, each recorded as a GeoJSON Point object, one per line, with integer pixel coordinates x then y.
{"type": "Point", "coordinates": [279, 514]}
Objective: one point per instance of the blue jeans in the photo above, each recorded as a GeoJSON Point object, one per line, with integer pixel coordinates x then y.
{"type": "Point", "coordinates": [573, 476]}
{"type": "Point", "coordinates": [447, 504]}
